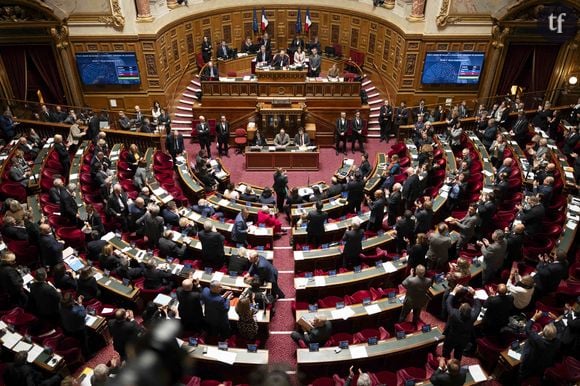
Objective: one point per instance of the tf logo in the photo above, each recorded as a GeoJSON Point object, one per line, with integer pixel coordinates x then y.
{"type": "Point", "coordinates": [558, 22]}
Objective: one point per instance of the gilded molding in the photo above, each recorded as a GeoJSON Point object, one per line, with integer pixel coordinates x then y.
{"type": "Point", "coordinates": [60, 36]}
{"type": "Point", "coordinates": [116, 19]}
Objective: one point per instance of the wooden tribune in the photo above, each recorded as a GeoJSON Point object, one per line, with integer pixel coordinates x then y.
{"type": "Point", "coordinates": [291, 160]}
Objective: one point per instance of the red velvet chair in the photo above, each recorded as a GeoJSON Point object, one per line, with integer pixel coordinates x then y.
{"type": "Point", "coordinates": [565, 373]}
{"type": "Point", "coordinates": [359, 296]}
{"type": "Point", "coordinates": [20, 319]}
{"type": "Point", "coordinates": [323, 381]}
{"type": "Point", "coordinates": [488, 350]}
{"type": "Point", "coordinates": [68, 348]}
{"type": "Point", "coordinates": [411, 373]}
{"type": "Point", "coordinates": [363, 335]}
{"type": "Point", "coordinates": [72, 236]}
{"type": "Point", "coordinates": [13, 190]}
{"type": "Point", "coordinates": [241, 139]}
{"type": "Point", "coordinates": [384, 378]}
{"type": "Point", "coordinates": [335, 339]}
{"type": "Point", "coordinates": [329, 301]}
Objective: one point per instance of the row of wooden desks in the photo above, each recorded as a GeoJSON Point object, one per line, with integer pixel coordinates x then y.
{"type": "Point", "coordinates": [331, 229]}
{"type": "Point", "coordinates": [376, 176]}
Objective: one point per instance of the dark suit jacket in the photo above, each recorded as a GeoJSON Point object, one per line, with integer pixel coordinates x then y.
{"type": "Point", "coordinates": [265, 270]}
{"type": "Point", "coordinates": [123, 332]}
{"type": "Point", "coordinates": [169, 248]}
{"type": "Point", "coordinates": [456, 329]}
{"type": "Point", "coordinates": [443, 378]}
{"type": "Point", "coordinates": [152, 227]}
{"type": "Point", "coordinates": [377, 213]}
{"type": "Point", "coordinates": [223, 55]}
{"type": "Point", "coordinates": [223, 130]}
{"type": "Point", "coordinates": [353, 243]}
{"type": "Point", "coordinates": [280, 60]}
{"type": "Point", "coordinates": [549, 275]}
{"type": "Point", "coordinates": [14, 232]}
{"type": "Point", "coordinates": [365, 168]}
{"type": "Point", "coordinates": [212, 247]}
{"type": "Point", "coordinates": [54, 194]}
{"type": "Point", "coordinates": [334, 190]}
{"type": "Point", "coordinates": [499, 308]}
{"type": "Point", "coordinates": [68, 205]}
{"type": "Point", "coordinates": [411, 188]}
{"type": "Point", "coordinates": [304, 141]}
{"type": "Point", "coordinates": [357, 126]}
{"type": "Point", "coordinates": [44, 300]}
{"type": "Point", "coordinates": [263, 57]}
{"type": "Point", "coordinates": [216, 310]}
{"type": "Point", "coordinates": [113, 206]}
{"type": "Point", "coordinates": [50, 250]}
{"type": "Point", "coordinates": [175, 144]}
{"type": "Point", "coordinates": [355, 191]}
{"type": "Point", "coordinates": [63, 154]}
{"type": "Point", "coordinates": [538, 353]}
{"type": "Point", "coordinates": [316, 221]}
{"type": "Point", "coordinates": [155, 278]}
{"type": "Point", "coordinates": [202, 130]}
{"type": "Point", "coordinates": [240, 230]}
{"type": "Point", "coordinates": [532, 219]}
{"type": "Point", "coordinates": [341, 127]}
{"type": "Point", "coordinates": [190, 309]}
{"type": "Point", "coordinates": [320, 334]}
{"type": "Point", "coordinates": [88, 288]}
{"type": "Point", "coordinates": [210, 73]}
{"type": "Point", "coordinates": [424, 220]}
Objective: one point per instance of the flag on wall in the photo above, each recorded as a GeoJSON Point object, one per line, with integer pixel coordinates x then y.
{"type": "Point", "coordinates": [255, 22]}
{"type": "Point", "coordinates": [299, 22]}
{"type": "Point", "coordinates": [264, 20]}
{"type": "Point", "coordinates": [308, 22]}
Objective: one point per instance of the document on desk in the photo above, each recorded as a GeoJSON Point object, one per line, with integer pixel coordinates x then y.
{"type": "Point", "coordinates": [300, 282]}
{"type": "Point", "coordinates": [162, 299]}
{"type": "Point", "coordinates": [319, 281]}
{"type": "Point", "coordinates": [358, 351]}
{"type": "Point", "coordinates": [198, 274]}
{"type": "Point", "coordinates": [9, 339]}
{"type": "Point", "coordinates": [240, 281]}
{"type": "Point", "coordinates": [298, 255]}
{"type": "Point", "coordinates": [34, 353]}
{"type": "Point", "coordinates": [221, 356]}
{"type": "Point", "coordinates": [389, 267]}
{"type": "Point", "coordinates": [477, 373]}
{"type": "Point", "coordinates": [514, 355]}
{"type": "Point", "coordinates": [343, 313]}
{"type": "Point", "coordinates": [22, 346]}
{"type": "Point", "coordinates": [481, 294]}
{"type": "Point", "coordinates": [373, 309]}
{"type": "Point", "coordinates": [89, 320]}
{"type": "Point", "coordinates": [331, 226]}
{"type": "Point", "coordinates": [487, 173]}
{"type": "Point", "coordinates": [108, 237]}
{"type": "Point", "coordinates": [217, 276]}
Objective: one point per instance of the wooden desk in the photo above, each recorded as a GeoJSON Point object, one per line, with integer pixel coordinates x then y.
{"type": "Point", "coordinates": [36, 169]}
{"type": "Point", "coordinates": [487, 170]}
{"type": "Point", "coordinates": [326, 361]}
{"type": "Point", "coordinates": [74, 177]}
{"type": "Point", "coordinates": [331, 229]}
{"type": "Point", "coordinates": [376, 175]}
{"type": "Point", "coordinates": [241, 65]}
{"type": "Point", "coordinates": [281, 75]}
{"type": "Point", "coordinates": [193, 187]}
{"type": "Point", "coordinates": [292, 160]}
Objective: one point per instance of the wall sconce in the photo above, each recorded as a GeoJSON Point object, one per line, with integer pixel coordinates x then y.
{"type": "Point", "coordinates": [572, 80]}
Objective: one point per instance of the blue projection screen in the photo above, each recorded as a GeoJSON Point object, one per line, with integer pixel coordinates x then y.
{"type": "Point", "coordinates": [452, 67]}
{"type": "Point", "coordinates": [108, 68]}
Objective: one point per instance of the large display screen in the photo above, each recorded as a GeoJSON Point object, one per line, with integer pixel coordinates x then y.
{"type": "Point", "coordinates": [452, 67]}
{"type": "Point", "coordinates": [108, 68]}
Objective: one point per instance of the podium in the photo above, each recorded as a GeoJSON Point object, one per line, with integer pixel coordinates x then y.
{"type": "Point", "coordinates": [281, 75]}
{"type": "Point", "coordinates": [282, 113]}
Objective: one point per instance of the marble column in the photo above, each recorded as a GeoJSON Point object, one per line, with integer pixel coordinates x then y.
{"type": "Point", "coordinates": [417, 11]}
{"type": "Point", "coordinates": [389, 4]}
{"type": "Point", "coordinates": [171, 4]}
{"type": "Point", "coordinates": [143, 11]}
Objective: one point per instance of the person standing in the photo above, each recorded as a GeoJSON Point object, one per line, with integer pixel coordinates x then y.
{"type": "Point", "coordinates": [315, 228]}
{"type": "Point", "coordinates": [247, 324]}
{"type": "Point", "coordinates": [498, 310]}
{"type": "Point", "coordinates": [355, 189]}
{"type": "Point", "coordinates": [189, 308]}
{"type": "Point", "coordinates": [340, 133]}
{"type": "Point", "coordinates": [315, 61]}
{"type": "Point", "coordinates": [44, 299]}
{"type": "Point", "coordinates": [63, 154]}
{"type": "Point", "coordinates": [280, 187]}
{"type": "Point", "coordinates": [439, 245]}
{"type": "Point", "coordinates": [206, 49]}
{"type": "Point", "coordinates": [386, 121]}
{"type": "Point", "coordinates": [493, 254]}
{"type": "Point", "coordinates": [223, 132]}
{"type": "Point", "coordinates": [377, 211]}
{"type": "Point", "coordinates": [467, 226]}
{"type": "Point", "coordinates": [175, 145]}
{"type": "Point", "coordinates": [450, 374]}
{"type": "Point", "coordinates": [217, 306]}
{"type": "Point", "coordinates": [240, 230]}
{"type": "Point", "coordinates": [417, 297]}
{"type": "Point", "coordinates": [459, 327]}
{"type": "Point", "coordinates": [124, 331]}
{"type": "Point", "coordinates": [266, 272]}
{"type": "Point", "coordinates": [352, 239]}
{"type": "Point", "coordinates": [203, 134]}
{"type": "Point", "coordinates": [357, 132]}
{"type": "Point", "coordinates": [540, 351]}
{"type": "Point", "coordinates": [212, 246]}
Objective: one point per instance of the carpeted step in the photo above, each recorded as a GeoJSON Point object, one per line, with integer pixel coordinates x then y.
{"type": "Point", "coordinates": [190, 96]}
{"type": "Point", "coordinates": [181, 122]}
{"type": "Point", "coordinates": [196, 82]}
{"type": "Point", "coordinates": [366, 82]}
{"type": "Point", "coordinates": [193, 89]}
{"type": "Point", "coordinates": [184, 108]}
{"type": "Point", "coordinates": [184, 115]}
{"type": "Point", "coordinates": [370, 88]}
{"type": "Point", "coordinates": [186, 102]}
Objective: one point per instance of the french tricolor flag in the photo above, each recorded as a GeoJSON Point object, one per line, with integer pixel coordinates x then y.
{"type": "Point", "coordinates": [264, 20]}
{"type": "Point", "coordinates": [308, 22]}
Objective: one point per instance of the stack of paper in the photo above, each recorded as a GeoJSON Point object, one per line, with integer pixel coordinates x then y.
{"type": "Point", "coordinates": [221, 356]}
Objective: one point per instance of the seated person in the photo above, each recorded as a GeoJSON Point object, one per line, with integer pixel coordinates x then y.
{"type": "Point", "coordinates": [262, 57]}
{"type": "Point", "coordinates": [170, 213]}
{"type": "Point", "coordinates": [204, 208]}
{"type": "Point", "coordinates": [249, 195]}
{"type": "Point", "coordinates": [301, 139]}
{"type": "Point", "coordinates": [299, 57]}
{"type": "Point", "coordinates": [333, 72]}
{"type": "Point", "coordinates": [248, 47]}
{"type": "Point", "coordinates": [267, 198]}
{"type": "Point", "coordinates": [259, 139]}
{"type": "Point", "coordinates": [266, 217]}
{"type": "Point", "coordinates": [282, 139]}
{"type": "Point", "coordinates": [239, 262]}
{"type": "Point", "coordinates": [156, 278]}
{"type": "Point", "coordinates": [210, 72]}
{"type": "Point", "coordinates": [318, 331]}
{"type": "Point", "coordinates": [123, 121]}
{"type": "Point", "coordinates": [223, 51]}
{"type": "Point", "coordinates": [169, 248]}
{"type": "Point", "coordinates": [281, 59]}
{"type": "Point", "coordinates": [87, 286]}
{"type": "Point", "coordinates": [316, 195]}
{"type": "Point", "coordinates": [231, 193]}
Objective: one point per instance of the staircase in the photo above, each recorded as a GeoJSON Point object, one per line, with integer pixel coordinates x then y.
{"type": "Point", "coordinates": [375, 103]}
{"type": "Point", "coordinates": [182, 114]}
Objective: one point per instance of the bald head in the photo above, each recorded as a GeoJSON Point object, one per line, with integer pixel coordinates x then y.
{"type": "Point", "coordinates": [501, 289]}
{"type": "Point", "coordinates": [187, 285]}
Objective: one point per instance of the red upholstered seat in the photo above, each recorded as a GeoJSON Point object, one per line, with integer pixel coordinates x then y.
{"type": "Point", "coordinates": [384, 378]}
{"type": "Point", "coordinates": [359, 296]}
{"type": "Point", "coordinates": [411, 373]}
{"type": "Point", "coordinates": [20, 319]}
{"type": "Point", "coordinates": [241, 139]}
{"type": "Point", "coordinates": [323, 381]}
{"type": "Point", "coordinates": [329, 301]}
{"type": "Point", "coordinates": [13, 190]}
{"type": "Point", "coordinates": [488, 350]}
{"type": "Point", "coordinates": [335, 339]}
{"type": "Point", "coordinates": [363, 335]}
{"type": "Point", "coordinates": [68, 348]}
{"type": "Point", "coordinates": [72, 236]}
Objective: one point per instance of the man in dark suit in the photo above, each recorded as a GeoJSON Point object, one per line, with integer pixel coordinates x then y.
{"type": "Point", "coordinates": [55, 190]}
{"type": "Point", "coordinates": [50, 249]}
{"type": "Point", "coordinates": [357, 134]}
{"type": "Point", "coordinates": [334, 189]}
{"type": "Point", "coordinates": [223, 52]}
{"type": "Point", "coordinates": [223, 136]}
{"type": "Point", "coordinates": [156, 279]}
{"type": "Point", "coordinates": [439, 245]}
{"type": "Point", "coordinates": [12, 231]}
{"type": "Point", "coordinates": [240, 230]}
{"type": "Point", "coordinates": [394, 204]}
{"type": "Point", "coordinates": [352, 239]}
{"type": "Point", "coordinates": [424, 217]}
{"type": "Point", "coordinates": [63, 155]}
{"type": "Point", "coordinates": [175, 145]}
{"type": "Point", "coordinates": [117, 205]}
{"type": "Point", "coordinates": [319, 330]}
{"type": "Point", "coordinates": [210, 72]}
{"type": "Point", "coordinates": [68, 205]}
{"type": "Point", "coordinates": [261, 267]}
{"type": "Point", "coordinates": [189, 308]}
{"type": "Point", "coordinates": [421, 111]}
{"type": "Point", "coordinates": [281, 59]}
{"type": "Point", "coordinates": [540, 351]}
{"type": "Point", "coordinates": [315, 228]}
{"type": "Point", "coordinates": [520, 129]}
{"type": "Point", "coordinates": [216, 309]}
{"type": "Point", "coordinates": [459, 327]}
{"type": "Point", "coordinates": [152, 225]}
{"type": "Point", "coordinates": [22, 373]}
{"type": "Point", "coordinates": [550, 272]}
{"type": "Point", "coordinates": [263, 56]}
{"type": "Point", "coordinates": [401, 116]}
{"type": "Point", "coordinates": [451, 374]}
{"type": "Point", "coordinates": [377, 211]}
{"type": "Point", "coordinates": [386, 120]}
{"type": "Point", "coordinates": [169, 248]}
{"type": "Point", "coordinates": [489, 133]}
{"type": "Point", "coordinates": [296, 42]}
{"type": "Point", "coordinates": [340, 133]}
{"type": "Point", "coordinates": [46, 115]}
{"type": "Point", "coordinates": [301, 139]}
{"type": "Point", "coordinates": [280, 187]}
{"type": "Point", "coordinates": [467, 226]}
{"type": "Point", "coordinates": [416, 299]}
{"type": "Point", "coordinates": [212, 246]}
{"type": "Point", "coordinates": [124, 331]}
{"type": "Point", "coordinates": [267, 42]}
{"type": "Point", "coordinates": [355, 189]}
{"type": "Point", "coordinates": [411, 187]}
{"type": "Point", "coordinates": [498, 310]}
{"type": "Point", "coordinates": [532, 216]}
{"type": "Point", "coordinates": [44, 299]}
{"type": "Point", "coordinates": [202, 129]}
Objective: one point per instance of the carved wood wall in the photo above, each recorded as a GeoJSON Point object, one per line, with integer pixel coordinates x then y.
{"type": "Point", "coordinates": [169, 57]}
